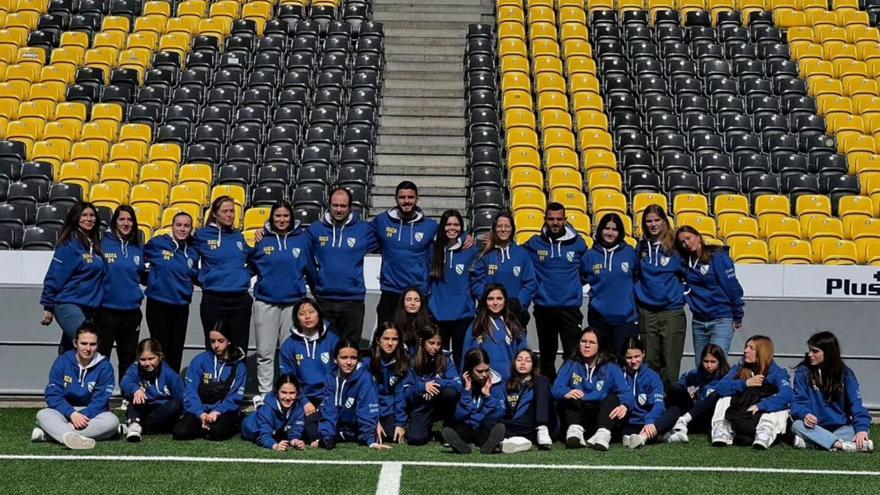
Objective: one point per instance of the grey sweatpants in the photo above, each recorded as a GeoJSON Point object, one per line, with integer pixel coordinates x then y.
{"type": "Point", "coordinates": [101, 427]}
{"type": "Point", "coordinates": [272, 322]}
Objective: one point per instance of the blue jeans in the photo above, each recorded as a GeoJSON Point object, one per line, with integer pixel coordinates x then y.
{"type": "Point", "coordinates": [69, 317]}
{"type": "Point", "coordinates": [822, 437]}
{"type": "Point", "coordinates": [718, 331]}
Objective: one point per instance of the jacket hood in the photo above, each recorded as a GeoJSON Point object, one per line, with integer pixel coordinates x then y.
{"type": "Point", "coordinates": [327, 219]}
{"type": "Point", "coordinates": [296, 332]}
{"type": "Point", "coordinates": [394, 213]}
{"type": "Point", "coordinates": [569, 236]}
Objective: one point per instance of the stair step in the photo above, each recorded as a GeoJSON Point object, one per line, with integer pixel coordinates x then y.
{"type": "Point", "coordinates": [440, 182]}
{"type": "Point", "coordinates": [472, 3]}
{"type": "Point", "coordinates": [427, 111]}
{"type": "Point", "coordinates": [424, 149]}
{"type": "Point", "coordinates": [414, 82]}
{"type": "Point", "coordinates": [429, 18]}
{"type": "Point", "coordinates": [403, 47]}
{"type": "Point", "coordinates": [423, 41]}
{"type": "Point", "coordinates": [409, 170]}
{"type": "Point", "coordinates": [424, 58]}
{"type": "Point", "coordinates": [418, 161]}
{"type": "Point", "coordinates": [398, 102]}
{"type": "Point", "coordinates": [417, 79]}
{"type": "Point", "coordinates": [421, 131]}
{"type": "Point", "coordinates": [386, 139]}
{"type": "Point", "coordinates": [381, 10]}
{"type": "Point", "coordinates": [410, 92]}
{"type": "Point", "coordinates": [411, 29]}
{"type": "Point", "coordinates": [426, 202]}
{"type": "Point", "coordinates": [456, 68]}
{"type": "Point", "coordinates": [421, 121]}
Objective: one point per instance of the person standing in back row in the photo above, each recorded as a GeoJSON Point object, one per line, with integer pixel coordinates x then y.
{"type": "Point", "coordinates": [556, 255]}
{"type": "Point", "coordinates": [405, 236]}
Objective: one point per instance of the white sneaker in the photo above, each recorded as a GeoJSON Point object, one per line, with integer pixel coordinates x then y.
{"type": "Point", "coordinates": [868, 447]}
{"type": "Point", "coordinates": [681, 425]}
{"type": "Point", "coordinates": [633, 441]}
{"type": "Point", "coordinates": [574, 437]}
{"type": "Point", "coordinates": [601, 440]}
{"type": "Point", "coordinates": [544, 440]}
{"type": "Point", "coordinates": [849, 447]}
{"type": "Point", "coordinates": [764, 438]}
{"type": "Point", "coordinates": [74, 441]}
{"type": "Point", "coordinates": [258, 400]}
{"type": "Point", "coordinates": [38, 435]}
{"type": "Point", "coordinates": [513, 445]}
{"type": "Point", "coordinates": [799, 442]}
{"type": "Point", "coordinates": [134, 432]}
{"type": "Point", "coordinates": [676, 437]}
{"type": "Point", "coordinates": [721, 435]}
{"type": "Point", "coordinates": [122, 429]}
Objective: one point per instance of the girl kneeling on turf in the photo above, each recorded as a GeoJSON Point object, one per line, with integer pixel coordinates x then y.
{"type": "Point", "coordinates": [78, 395]}
{"type": "Point", "coordinates": [154, 392]}
{"type": "Point", "coordinates": [755, 397]}
{"type": "Point", "coordinates": [433, 387]}
{"type": "Point", "coordinates": [686, 410]}
{"type": "Point", "coordinates": [480, 409]}
{"type": "Point", "coordinates": [389, 364]}
{"type": "Point", "coordinates": [527, 406]}
{"type": "Point", "coordinates": [592, 394]}
{"type": "Point", "coordinates": [827, 406]}
{"type": "Point", "coordinates": [279, 423]}
{"type": "Point", "coordinates": [647, 389]}
{"type": "Point", "coordinates": [350, 409]}
{"type": "Point", "coordinates": [214, 386]}
{"type": "Point", "coordinates": [497, 330]}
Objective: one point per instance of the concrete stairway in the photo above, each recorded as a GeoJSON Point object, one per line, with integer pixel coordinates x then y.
{"type": "Point", "coordinates": [422, 119]}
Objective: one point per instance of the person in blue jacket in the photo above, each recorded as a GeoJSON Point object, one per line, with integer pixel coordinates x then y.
{"type": "Point", "coordinates": [480, 410]}
{"type": "Point", "coordinates": [505, 262]}
{"type": "Point", "coordinates": [224, 275]}
{"type": "Point", "coordinates": [74, 284]}
{"type": "Point", "coordinates": [686, 410]}
{"type": "Point", "coordinates": [78, 396]}
{"type": "Point", "coordinates": [556, 255]}
{"type": "Point", "coordinates": [389, 364]}
{"type": "Point", "coordinates": [714, 293]}
{"type": "Point", "coordinates": [154, 393]}
{"type": "Point", "coordinates": [592, 393]}
{"type": "Point", "coordinates": [173, 265]}
{"type": "Point", "coordinates": [497, 330]}
{"type": "Point", "coordinates": [527, 406]}
{"type": "Point", "coordinates": [411, 317]}
{"type": "Point", "coordinates": [308, 355]}
{"type": "Point", "coordinates": [350, 409]}
{"type": "Point", "coordinates": [433, 387]}
{"type": "Point", "coordinates": [755, 398]}
{"type": "Point", "coordinates": [119, 318]}
{"type": "Point", "coordinates": [647, 389]}
{"type": "Point", "coordinates": [609, 268]}
{"type": "Point", "coordinates": [215, 383]}
{"type": "Point", "coordinates": [340, 241]}
{"type": "Point", "coordinates": [827, 408]}
{"type": "Point", "coordinates": [449, 300]}
{"type": "Point", "coordinates": [659, 293]}
{"type": "Point", "coordinates": [279, 422]}
{"type": "Point", "coordinates": [281, 260]}
{"type": "Point", "coordinates": [405, 236]}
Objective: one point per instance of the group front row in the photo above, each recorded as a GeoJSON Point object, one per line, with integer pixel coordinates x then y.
{"type": "Point", "coordinates": [325, 395]}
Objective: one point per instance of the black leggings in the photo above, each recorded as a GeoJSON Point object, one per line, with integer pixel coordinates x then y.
{"type": "Point", "coordinates": [167, 323]}
{"type": "Point", "coordinates": [476, 436]}
{"type": "Point", "coordinates": [155, 417]}
{"type": "Point", "coordinates": [612, 337]}
{"type": "Point", "coordinates": [592, 415]}
{"type": "Point", "coordinates": [189, 427]}
{"type": "Point", "coordinates": [122, 328]}
{"type": "Point", "coordinates": [679, 402]}
{"type": "Point", "coordinates": [453, 333]}
{"type": "Point", "coordinates": [234, 310]}
{"type": "Point", "coordinates": [421, 419]}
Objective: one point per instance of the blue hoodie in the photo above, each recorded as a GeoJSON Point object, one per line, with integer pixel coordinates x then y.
{"type": "Point", "coordinates": [271, 419]}
{"type": "Point", "coordinates": [72, 386]}
{"type": "Point", "coordinates": [350, 408]}
{"type": "Point", "coordinates": [281, 263]}
{"type": "Point", "coordinates": [450, 299]}
{"type": "Point", "coordinates": [173, 269]}
{"type": "Point", "coordinates": [595, 383]}
{"type": "Point", "coordinates": [519, 402]}
{"type": "Point", "coordinates": [124, 264]}
{"type": "Point", "coordinates": [610, 271]}
{"type": "Point", "coordinates": [339, 255]}
{"type": "Point", "coordinates": [659, 278]}
{"type": "Point", "coordinates": [164, 386]}
{"type": "Point", "coordinates": [510, 266]}
{"type": "Point", "coordinates": [557, 265]}
{"type": "Point", "coordinates": [405, 246]}
{"type": "Point", "coordinates": [730, 386]}
{"type": "Point", "coordinates": [392, 391]}
{"type": "Point", "coordinates": [224, 254]}
{"type": "Point", "coordinates": [713, 290]}
{"type": "Point", "coordinates": [207, 368]}
{"type": "Point", "coordinates": [697, 378]}
{"type": "Point", "coordinates": [75, 276]}
{"type": "Point", "coordinates": [499, 344]}
{"type": "Point", "coordinates": [647, 389]}
{"type": "Point", "coordinates": [473, 409]}
{"type": "Point", "coordinates": [309, 359]}
{"type": "Point", "coordinates": [831, 414]}
{"type": "Point", "coordinates": [415, 387]}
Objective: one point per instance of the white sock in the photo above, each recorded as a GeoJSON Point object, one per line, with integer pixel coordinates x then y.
{"type": "Point", "coordinates": [686, 417]}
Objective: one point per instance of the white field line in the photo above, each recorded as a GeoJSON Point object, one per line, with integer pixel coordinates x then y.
{"type": "Point", "coordinates": [389, 479]}
{"type": "Point", "coordinates": [331, 462]}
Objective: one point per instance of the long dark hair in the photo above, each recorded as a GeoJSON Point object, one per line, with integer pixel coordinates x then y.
{"type": "Point", "coordinates": [706, 251]}
{"type": "Point", "coordinates": [621, 231]}
{"type": "Point", "coordinates": [483, 322]}
{"type": "Point", "coordinates": [410, 325]}
{"type": "Point", "coordinates": [71, 230]}
{"type": "Point", "coordinates": [281, 204]}
{"type": "Point", "coordinates": [283, 379]}
{"type": "Point", "coordinates": [718, 353]}
{"type": "Point", "coordinates": [400, 357]}
{"type": "Point", "coordinates": [516, 380]}
{"type": "Point", "coordinates": [492, 239]}
{"type": "Point", "coordinates": [133, 237]}
{"type": "Point", "coordinates": [424, 363]}
{"type": "Point", "coordinates": [437, 268]}
{"type": "Point", "coordinates": [314, 304]}
{"type": "Point", "coordinates": [828, 376]}
{"type": "Point", "coordinates": [602, 356]}
{"type": "Point", "coordinates": [472, 359]}
{"type": "Point", "coordinates": [666, 237]}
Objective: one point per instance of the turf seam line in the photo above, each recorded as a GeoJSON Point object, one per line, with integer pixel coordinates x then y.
{"type": "Point", "coordinates": [340, 462]}
{"type": "Point", "coordinates": [389, 478]}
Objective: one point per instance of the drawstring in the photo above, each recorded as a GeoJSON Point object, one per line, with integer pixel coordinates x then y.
{"type": "Point", "coordinates": [124, 245]}
{"type": "Point", "coordinates": [91, 247]}
{"type": "Point", "coordinates": [219, 235]}
{"type": "Point", "coordinates": [451, 256]}
{"type": "Point", "coordinates": [82, 375]}
{"type": "Point", "coordinates": [220, 372]}
{"type": "Point", "coordinates": [400, 230]}
{"type": "Point", "coordinates": [635, 379]}
{"type": "Point", "coordinates": [339, 391]}
{"type": "Point", "coordinates": [693, 262]}
{"type": "Point", "coordinates": [609, 257]}
{"type": "Point", "coordinates": [311, 354]}
{"type": "Point", "coordinates": [508, 337]}
{"type": "Point", "coordinates": [505, 251]}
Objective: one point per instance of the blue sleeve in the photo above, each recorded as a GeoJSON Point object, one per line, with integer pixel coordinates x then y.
{"type": "Point", "coordinates": [192, 401]}
{"type": "Point", "coordinates": [451, 377]}
{"type": "Point", "coordinates": [297, 422]}
{"type": "Point", "coordinates": [730, 385]}
{"type": "Point", "coordinates": [468, 342]}
{"type": "Point", "coordinates": [494, 405]}
{"type": "Point", "coordinates": [60, 269]}
{"type": "Point", "coordinates": [55, 391]}
{"type": "Point", "coordinates": [781, 400]}
{"type": "Point", "coordinates": [400, 416]}
{"type": "Point", "coordinates": [329, 412]}
{"type": "Point", "coordinates": [800, 404]}
{"type": "Point", "coordinates": [861, 418]}
{"type": "Point", "coordinates": [529, 283]}
{"type": "Point", "coordinates": [561, 384]}
{"type": "Point", "coordinates": [130, 382]}
{"type": "Point", "coordinates": [478, 277]}
{"type": "Point", "coordinates": [368, 412]}
{"type": "Point", "coordinates": [104, 383]}
{"type": "Point", "coordinates": [311, 268]}
{"type": "Point", "coordinates": [236, 391]}
{"type": "Point", "coordinates": [726, 276]}
{"type": "Point", "coordinates": [465, 409]}
{"type": "Point", "coordinates": [376, 246]}
{"type": "Point", "coordinates": [175, 385]}
{"type": "Point", "coordinates": [658, 397]}
{"type": "Point", "coordinates": [587, 275]}
{"type": "Point", "coordinates": [287, 360]}
{"type": "Point", "coordinates": [265, 430]}
{"type": "Point", "coordinates": [619, 387]}
{"type": "Point", "coordinates": [688, 379]}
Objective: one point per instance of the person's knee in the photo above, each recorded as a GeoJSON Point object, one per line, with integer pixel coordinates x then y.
{"type": "Point", "coordinates": [448, 394]}
{"type": "Point", "coordinates": [46, 415]}
{"type": "Point", "coordinates": [418, 436]}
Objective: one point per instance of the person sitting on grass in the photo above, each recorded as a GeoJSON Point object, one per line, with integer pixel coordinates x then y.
{"type": "Point", "coordinates": [647, 388]}
{"type": "Point", "coordinates": [433, 387]}
{"type": "Point", "coordinates": [478, 416]}
{"type": "Point", "coordinates": [279, 423]}
{"type": "Point", "coordinates": [527, 405]}
{"type": "Point", "coordinates": [154, 392]}
{"type": "Point", "coordinates": [214, 387]}
{"type": "Point", "coordinates": [496, 329]}
{"type": "Point", "coordinates": [389, 364]}
{"type": "Point", "coordinates": [78, 395]}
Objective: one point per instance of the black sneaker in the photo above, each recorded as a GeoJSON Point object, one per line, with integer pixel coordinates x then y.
{"type": "Point", "coordinates": [455, 441]}
{"type": "Point", "coordinates": [496, 435]}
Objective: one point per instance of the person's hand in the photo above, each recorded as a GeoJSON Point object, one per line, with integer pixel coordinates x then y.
{"type": "Point", "coordinates": [737, 325]}
{"type": "Point", "coordinates": [47, 318]}
{"type": "Point", "coordinates": [487, 387]}
{"type": "Point", "coordinates": [467, 380]}
{"type": "Point", "coordinates": [213, 416]}
{"type": "Point", "coordinates": [79, 420]}
{"type": "Point", "coordinates": [468, 242]}
{"type": "Point", "coordinates": [258, 236]}
{"type": "Point", "coordinates": [810, 421]}
{"type": "Point", "coordinates": [575, 394]}
{"type": "Point", "coordinates": [206, 423]}
{"type": "Point", "coordinates": [310, 409]}
{"type": "Point", "coordinates": [618, 412]}
{"type": "Point", "coordinates": [649, 432]}
{"type": "Point", "coordinates": [315, 444]}
{"type": "Point", "coordinates": [399, 435]}
{"type": "Point", "coordinates": [380, 432]}
{"type": "Point", "coordinates": [281, 446]}
{"type": "Point", "coordinates": [753, 409]}
{"type": "Point", "coordinates": [380, 446]}
{"type": "Point", "coordinates": [298, 444]}
{"type": "Point", "coordinates": [432, 388]}
{"type": "Point", "coordinates": [861, 439]}
{"type": "Point", "coordinates": [140, 397]}
{"type": "Point", "coordinates": [755, 381]}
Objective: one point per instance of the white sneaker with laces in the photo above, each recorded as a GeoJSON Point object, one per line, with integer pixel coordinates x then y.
{"type": "Point", "coordinates": [574, 437]}
{"type": "Point", "coordinates": [134, 432]}
{"type": "Point", "coordinates": [676, 437]}
{"type": "Point", "coordinates": [601, 440]}
{"type": "Point", "coordinates": [799, 442]}
{"type": "Point", "coordinates": [544, 440]}
{"type": "Point", "coordinates": [635, 442]}
{"type": "Point", "coordinates": [122, 429]}
{"type": "Point", "coordinates": [868, 447]}
{"type": "Point", "coordinates": [38, 435]}
{"type": "Point", "coordinates": [849, 447]}
{"type": "Point", "coordinates": [721, 435]}
{"type": "Point", "coordinates": [258, 400]}
{"type": "Point", "coordinates": [513, 445]}
{"type": "Point", "coordinates": [74, 441]}
{"type": "Point", "coordinates": [681, 425]}
{"type": "Point", "coordinates": [764, 438]}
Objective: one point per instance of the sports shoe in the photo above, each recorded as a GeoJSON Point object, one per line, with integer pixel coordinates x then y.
{"type": "Point", "coordinates": [764, 438]}
{"type": "Point", "coordinates": [38, 435]}
{"type": "Point", "coordinates": [134, 432]}
{"type": "Point", "coordinates": [721, 435]}
{"type": "Point", "coordinates": [601, 440]}
{"type": "Point", "coordinates": [633, 441]}
{"type": "Point", "coordinates": [122, 429]}
{"type": "Point", "coordinates": [868, 447]}
{"type": "Point", "coordinates": [496, 435]}
{"type": "Point", "coordinates": [513, 445]}
{"type": "Point", "coordinates": [849, 447]}
{"type": "Point", "coordinates": [123, 406]}
{"type": "Point", "coordinates": [455, 442]}
{"type": "Point", "coordinates": [574, 437]}
{"type": "Point", "coordinates": [676, 437]}
{"type": "Point", "coordinates": [74, 441]}
{"type": "Point", "coordinates": [681, 425]}
{"type": "Point", "coordinates": [544, 440]}
{"type": "Point", "coordinates": [799, 442]}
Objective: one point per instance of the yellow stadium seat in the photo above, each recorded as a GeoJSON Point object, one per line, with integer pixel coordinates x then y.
{"type": "Point", "coordinates": [237, 193]}
{"type": "Point", "coordinates": [598, 158]}
{"type": "Point", "coordinates": [54, 152]}
{"type": "Point", "coordinates": [515, 64]}
{"type": "Point", "coordinates": [772, 204]}
{"type": "Point", "coordinates": [643, 200]}
{"type": "Point", "coordinates": [730, 205]}
{"type": "Point", "coordinates": [600, 180]}
{"type": "Point", "coordinates": [74, 112]}
{"type": "Point", "coordinates": [163, 173]}
{"type": "Point", "coordinates": [822, 229]}
{"type": "Point", "coordinates": [748, 251]}
{"type": "Point", "coordinates": [705, 225]}
{"type": "Point", "coordinates": [104, 58]}
{"type": "Point", "coordinates": [525, 177]}
{"type": "Point", "coordinates": [561, 158]}
{"type": "Point", "coordinates": [738, 228]}
{"type": "Point", "coordinates": [690, 203]}
{"type": "Point", "coordinates": [193, 193]}
{"type": "Point", "coordinates": [579, 221]}
{"type": "Point", "coordinates": [607, 202]}
{"type": "Point", "coordinates": [870, 254]}
{"type": "Point", "coordinates": [838, 252]}
{"type": "Point", "coordinates": [791, 252]}
{"type": "Point", "coordinates": [193, 8]}
{"type": "Point", "coordinates": [591, 120]}
{"type": "Point", "coordinates": [779, 227]}
{"type": "Point", "coordinates": [511, 30]}
{"type": "Point", "coordinates": [111, 112]}
{"type": "Point", "coordinates": [78, 173]}
{"type": "Point", "coordinates": [528, 198]}
{"type": "Point", "coordinates": [552, 100]}
{"type": "Point", "coordinates": [67, 131]}
{"type": "Point", "coordinates": [557, 138]}
{"type": "Point", "coordinates": [573, 31]}
{"type": "Point", "coordinates": [580, 83]}
{"type": "Point", "coordinates": [547, 65]}
{"type": "Point", "coordinates": [115, 23]}
{"type": "Point", "coordinates": [196, 173]}
{"type": "Point", "coordinates": [23, 132]}
{"type": "Point", "coordinates": [511, 100]}
{"type": "Point", "coordinates": [522, 138]}
{"type": "Point", "coordinates": [555, 119]}
{"type": "Point", "coordinates": [519, 118]}
{"type": "Point", "coordinates": [523, 156]}
{"type": "Point", "coordinates": [119, 172]}
{"type": "Point", "coordinates": [152, 24]}
{"type": "Point", "coordinates": [131, 152]}
{"type": "Point", "coordinates": [103, 130]}
{"type": "Point", "coordinates": [111, 194]}
{"type": "Point", "coordinates": [587, 101]}
{"type": "Point", "coordinates": [256, 217]}
{"type": "Point", "coordinates": [516, 81]}
{"type": "Point", "coordinates": [563, 177]}
{"type": "Point", "coordinates": [147, 214]}
{"type": "Point", "coordinates": [572, 199]}
{"type": "Point", "coordinates": [159, 9]}
{"type": "Point", "coordinates": [111, 39]}
{"type": "Point", "coordinates": [543, 32]}
{"type": "Point", "coordinates": [575, 65]}
{"type": "Point", "coordinates": [150, 193]}
{"type": "Point", "coordinates": [595, 140]}
{"type": "Point", "coordinates": [855, 206]}
{"type": "Point", "coordinates": [136, 132]}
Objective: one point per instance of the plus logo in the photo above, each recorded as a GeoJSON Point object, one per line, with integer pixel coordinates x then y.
{"type": "Point", "coordinates": [848, 287]}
